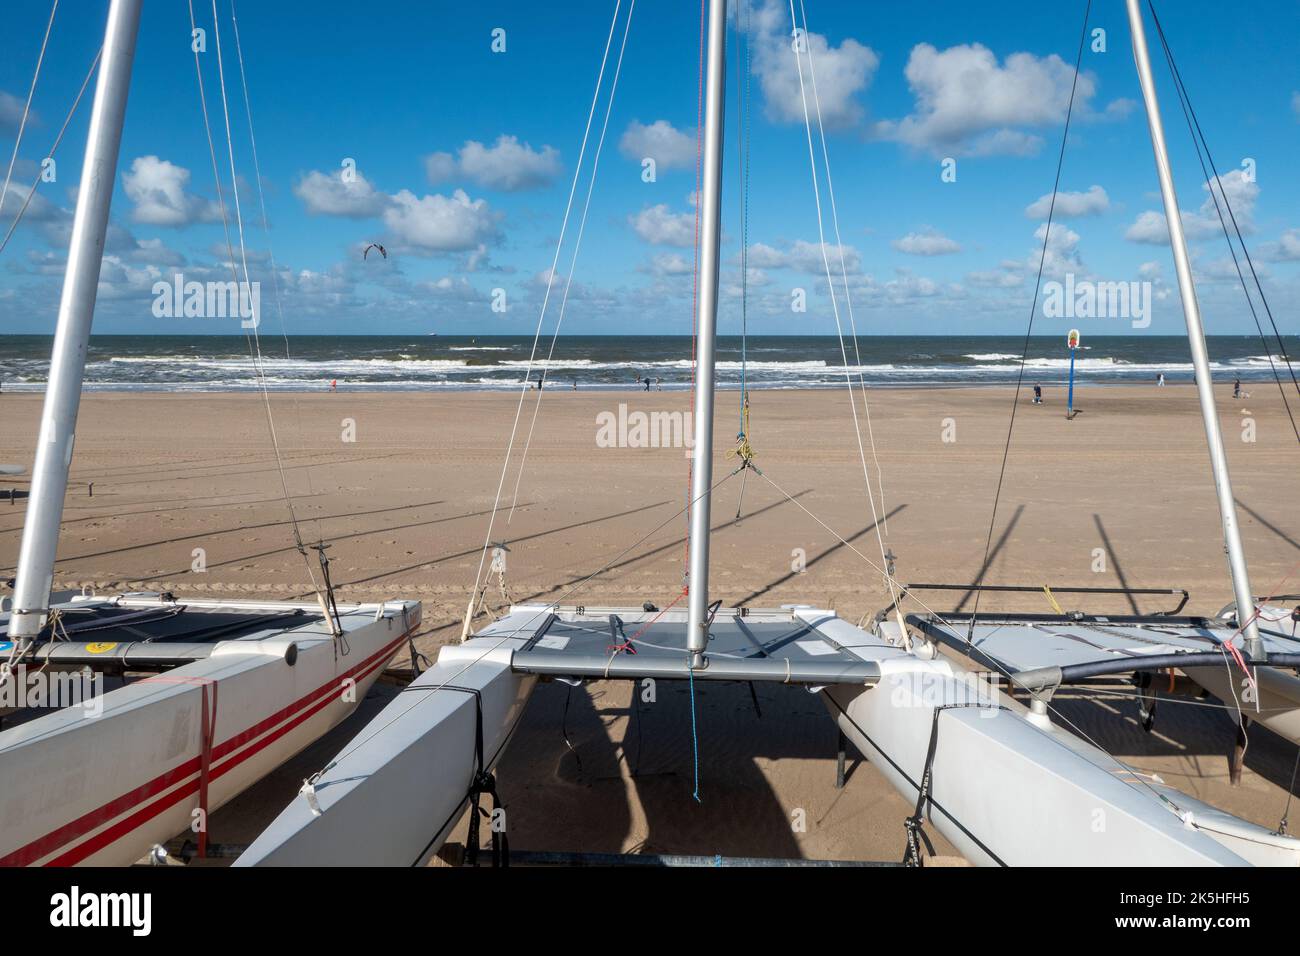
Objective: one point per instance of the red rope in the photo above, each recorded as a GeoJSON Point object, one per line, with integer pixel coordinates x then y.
{"type": "Point", "coordinates": [655, 618]}
{"type": "Point", "coordinates": [1255, 613]}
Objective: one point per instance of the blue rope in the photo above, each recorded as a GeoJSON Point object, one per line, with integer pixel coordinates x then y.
{"type": "Point", "coordinates": [695, 740]}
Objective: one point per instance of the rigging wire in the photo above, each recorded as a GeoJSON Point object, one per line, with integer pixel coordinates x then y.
{"type": "Point", "coordinates": [1038, 282]}
{"type": "Point", "coordinates": [266, 231]}
{"type": "Point", "coordinates": [1003, 671]}
{"type": "Point", "coordinates": [94, 64]}
{"type": "Point", "coordinates": [27, 107]}
{"type": "Point", "coordinates": [844, 274]}
{"type": "Point", "coordinates": [254, 338]}
{"type": "Point", "coordinates": [1199, 141]}
{"type": "Point", "coordinates": [744, 134]}
{"type": "Point", "coordinates": [363, 738]}
{"type": "Point", "coordinates": [573, 263]}
{"type": "Point", "coordinates": [541, 318]}
{"type": "Point", "coordinates": [830, 281]}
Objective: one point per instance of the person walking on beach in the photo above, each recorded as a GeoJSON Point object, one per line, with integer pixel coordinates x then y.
{"type": "Point", "coordinates": [1038, 394]}
{"type": "Point", "coordinates": [334, 385]}
{"type": "Point", "coordinates": [1160, 380]}
{"type": "Point", "coordinates": [659, 384]}
{"type": "Point", "coordinates": [539, 382]}
{"type": "Point", "coordinates": [1236, 389]}
{"type": "Point", "coordinates": [647, 383]}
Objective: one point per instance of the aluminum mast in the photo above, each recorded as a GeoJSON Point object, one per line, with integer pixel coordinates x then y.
{"type": "Point", "coordinates": [1196, 338]}
{"type": "Point", "coordinates": [71, 338]}
{"type": "Point", "coordinates": [706, 321]}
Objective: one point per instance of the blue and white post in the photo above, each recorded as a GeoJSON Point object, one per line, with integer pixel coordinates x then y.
{"type": "Point", "coordinates": [1072, 342]}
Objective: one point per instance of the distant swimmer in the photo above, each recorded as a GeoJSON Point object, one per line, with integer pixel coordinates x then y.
{"type": "Point", "coordinates": [1038, 394]}
{"type": "Point", "coordinates": [374, 245]}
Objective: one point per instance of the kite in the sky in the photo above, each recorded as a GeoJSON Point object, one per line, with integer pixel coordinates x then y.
{"type": "Point", "coordinates": [374, 245]}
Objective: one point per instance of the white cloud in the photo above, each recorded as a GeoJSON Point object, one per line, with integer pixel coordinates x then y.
{"type": "Point", "coordinates": [1289, 246]}
{"type": "Point", "coordinates": [662, 227]}
{"type": "Point", "coordinates": [763, 256]}
{"type": "Point", "coordinates": [158, 190]}
{"type": "Point", "coordinates": [670, 148]}
{"type": "Point", "coordinates": [1062, 250]}
{"type": "Point", "coordinates": [927, 242]}
{"type": "Point", "coordinates": [507, 165]}
{"type": "Point", "coordinates": [11, 112]}
{"type": "Point", "coordinates": [841, 73]}
{"type": "Point", "coordinates": [1003, 278]}
{"type": "Point", "coordinates": [1286, 249]}
{"type": "Point", "coordinates": [1090, 203]}
{"type": "Point", "coordinates": [447, 289]}
{"type": "Point", "coordinates": [329, 195]}
{"type": "Point", "coordinates": [120, 280]}
{"type": "Point", "coordinates": [671, 264]}
{"type": "Point", "coordinates": [1151, 227]}
{"type": "Point", "coordinates": [439, 223]}
{"type": "Point", "coordinates": [806, 257]}
{"type": "Point", "coordinates": [429, 223]}
{"type": "Point", "coordinates": [969, 104]}
{"type": "Point", "coordinates": [1224, 269]}
{"type": "Point", "coordinates": [39, 210]}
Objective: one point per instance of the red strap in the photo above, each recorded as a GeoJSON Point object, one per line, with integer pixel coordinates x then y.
{"type": "Point", "coordinates": [207, 734]}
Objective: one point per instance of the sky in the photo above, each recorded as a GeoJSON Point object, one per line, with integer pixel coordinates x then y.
{"type": "Point", "coordinates": [451, 135]}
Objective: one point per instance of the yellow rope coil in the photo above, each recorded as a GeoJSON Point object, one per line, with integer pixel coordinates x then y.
{"type": "Point", "coordinates": [743, 450]}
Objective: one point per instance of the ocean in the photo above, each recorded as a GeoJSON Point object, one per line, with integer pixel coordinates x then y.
{"type": "Point", "coordinates": [489, 363]}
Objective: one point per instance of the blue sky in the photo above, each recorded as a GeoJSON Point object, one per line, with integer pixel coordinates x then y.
{"type": "Point", "coordinates": [465, 157]}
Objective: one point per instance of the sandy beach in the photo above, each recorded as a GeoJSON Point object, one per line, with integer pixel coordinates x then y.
{"type": "Point", "coordinates": [402, 486]}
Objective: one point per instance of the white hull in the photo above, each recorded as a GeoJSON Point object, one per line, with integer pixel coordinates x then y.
{"type": "Point", "coordinates": [1279, 689]}
{"type": "Point", "coordinates": [102, 790]}
{"type": "Point", "coordinates": [395, 792]}
{"type": "Point", "coordinates": [1008, 788]}
{"type": "Point", "coordinates": [1279, 695]}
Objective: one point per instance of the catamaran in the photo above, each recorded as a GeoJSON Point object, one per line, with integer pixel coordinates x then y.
{"type": "Point", "coordinates": [955, 710]}
{"type": "Point", "coordinates": [206, 696]}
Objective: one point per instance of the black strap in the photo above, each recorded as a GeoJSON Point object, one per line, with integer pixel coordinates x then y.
{"type": "Point", "coordinates": [483, 782]}
{"type": "Point", "coordinates": [916, 835]}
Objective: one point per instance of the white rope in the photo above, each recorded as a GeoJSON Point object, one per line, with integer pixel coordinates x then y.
{"type": "Point", "coordinates": [830, 282]}
{"type": "Point", "coordinates": [550, 279]}
{"type": "Point", "coordinates": [27, 108]}
{"type": "Point", "coordinates": [255, 339]}
{"type": "Point", "coordinates": [368, 734]}
{"type": "Point", "coordinates": [844, 273]}
{"type": "Point", "coordinates": [53, 149]}
{"type": "Point", "coordinates": [266, 230]}
{"type": "Point", "coordinates": [1008, 675]}
{"type": "Point", "coordinates": [573, 263]}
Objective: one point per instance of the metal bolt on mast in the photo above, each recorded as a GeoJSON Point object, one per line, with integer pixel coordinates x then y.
{"type": "Point", "coordinates": [72, 336]}
{"type": "Point", "coordinates": [1196, 337]}
{"type": "Point", "coordinates": [706, 320]}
